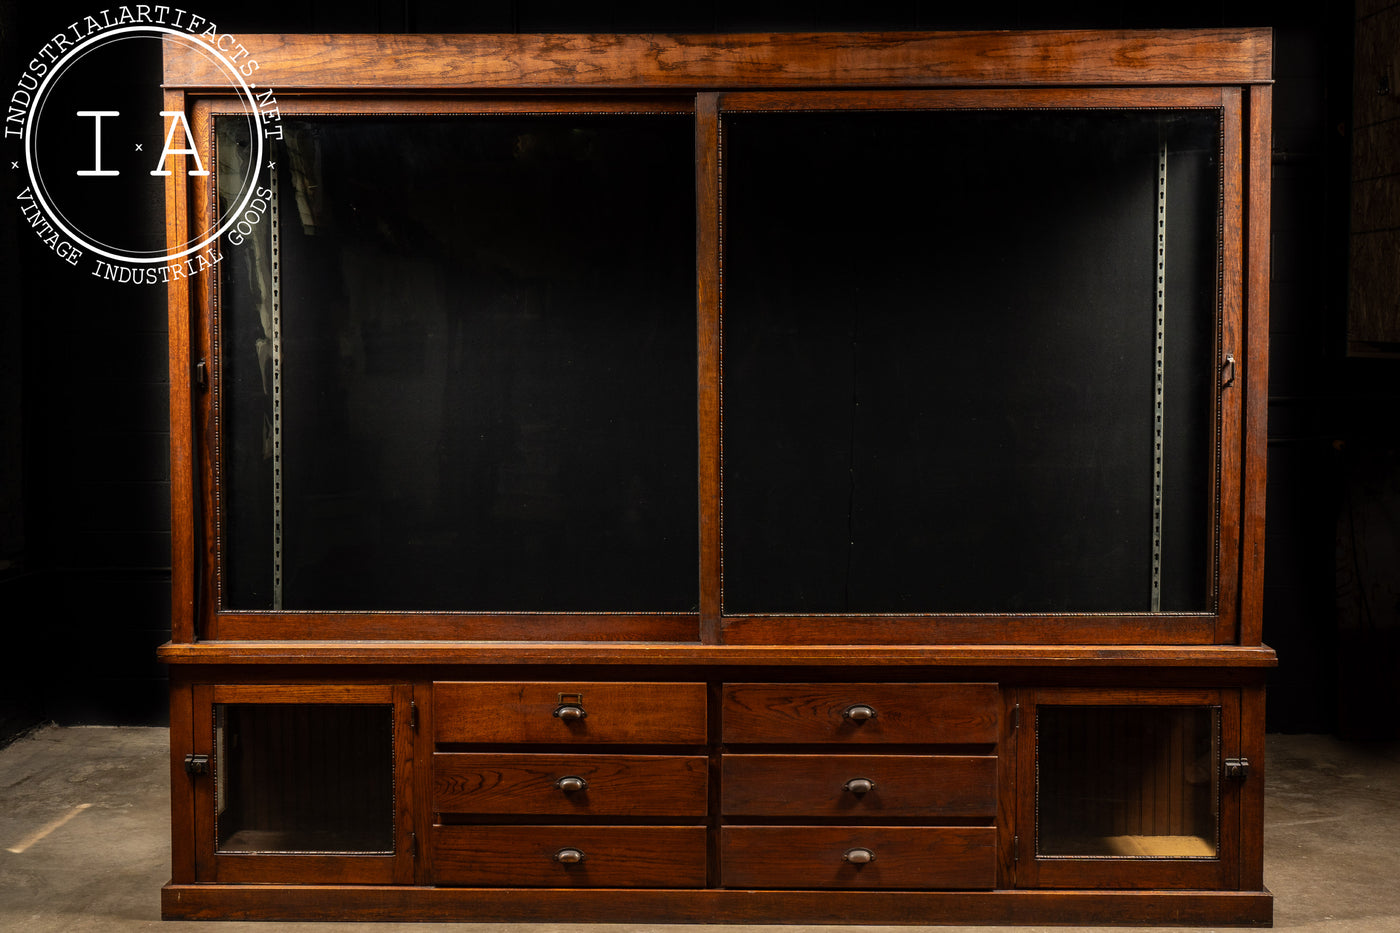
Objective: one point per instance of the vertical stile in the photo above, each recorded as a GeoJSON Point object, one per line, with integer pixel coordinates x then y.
{"type": "Point", "coordinates": [181, 398]}
{"type": "Point", "coordinates": [707, 262]}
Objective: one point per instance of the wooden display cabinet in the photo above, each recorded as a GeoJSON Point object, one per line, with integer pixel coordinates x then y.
{"type": "Point", "coordinates": [760, 478]}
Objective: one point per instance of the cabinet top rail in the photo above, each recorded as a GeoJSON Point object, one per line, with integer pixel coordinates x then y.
{"type": "Point", "coordinates": [525, 653]}
{"type": "Point", "coordinates": [366, 63]}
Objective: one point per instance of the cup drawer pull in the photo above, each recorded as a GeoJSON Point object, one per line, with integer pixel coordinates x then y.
{"type": "Point", "coordinates": [859, 713]}
{"type": "Point", "coordinates": [858, 856]}
{"type": "Point", "coordinates": [859, 786]}
{"type": "Point", "coordinates": [569, 856]}
{"type": "Point", "coordinates": [571, 784]}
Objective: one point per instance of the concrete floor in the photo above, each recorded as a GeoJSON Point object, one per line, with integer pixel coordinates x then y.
{"type": "Point", "coordinates": [84, 840]}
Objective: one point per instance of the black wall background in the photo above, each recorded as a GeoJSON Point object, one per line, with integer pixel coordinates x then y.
{"type": "Point", "coordinates": [84, 472]}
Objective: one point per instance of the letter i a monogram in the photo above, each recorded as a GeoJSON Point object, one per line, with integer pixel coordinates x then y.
{"type": "Point", "coordinates": [160, 169]}
{"type": "Point", "coordinates": [179, 121]}
{"type": "Point", "coordinates": [97, 142]}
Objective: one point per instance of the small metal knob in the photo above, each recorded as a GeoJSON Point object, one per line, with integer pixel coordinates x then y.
{"type": "Point", "coordinates": [859, 786]}
{"type": "Point", "coordinates": [571, 784]}
{"type": "Point", "coordinates": [859, 856]}
{"type": "Point", "coordinates": [859, 713]}
{"type": "Point", "coordinates": [569, 856]}
{"type": "Point", "coordinates": [570, 713]}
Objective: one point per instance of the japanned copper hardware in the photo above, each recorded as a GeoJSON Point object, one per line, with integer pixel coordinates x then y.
{"type": "Point", "coordinates": [571, 784]}
{"type": "Point", "coordinates": [858, 856]}
{"type": "Point", "coordinates": [570, 708]}
{"type": "Point", "coordinates": [569, 856]}
{"type": "Point", "coordinates": [1236, 769]}
{"type": "Point", "coordinates": [859, 786]}
{"type": "Point", "coordinates": [196, 764]}
{"type": "Point", "coordinates": [858, 713]}
{"type": "Point", "coordinates": [1227, 371]}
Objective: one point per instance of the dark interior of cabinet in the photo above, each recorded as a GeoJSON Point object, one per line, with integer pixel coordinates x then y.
{"type": "Point", "coordinates": [304, 778]}
{"type": "Point", "coordinates": [938, 356]}
{"type": "Point", "coordinates": [458, 368]}
{"type": "Point", "coordinates": [1127, 781]}
{"type": "Point", "coordinates": [487, 363]}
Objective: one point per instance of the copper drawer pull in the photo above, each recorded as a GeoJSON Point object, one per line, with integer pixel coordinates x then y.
{"type": "Point", "coordinates": [859, 856]}
{"type": "Point", "coordinates": [571, 784]}
{"type": "Point", "coordinates": [859, 713]}
{"type": "Point", "coordinates": [570, 712]}
{"type": "Point", "coordinates": [859, 786]}
{"type": "Point", "coordinates": [569, 856]}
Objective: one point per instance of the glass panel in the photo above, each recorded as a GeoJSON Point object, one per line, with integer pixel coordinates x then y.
{"type": "Point", "coordinates": [304, 778]}
{"type": "Point", "coordinates": [479, 393]}
{"type": "Point", "coordinates": [939, 360]}
{"type": "Point", "coordinates": [1127, 781]}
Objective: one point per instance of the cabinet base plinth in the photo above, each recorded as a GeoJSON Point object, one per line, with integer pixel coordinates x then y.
{"type": "Point", "coordinates": [413, 904]}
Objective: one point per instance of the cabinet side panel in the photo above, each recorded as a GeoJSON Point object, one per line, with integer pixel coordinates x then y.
{"type": "Point", "coordinates": [1257, 368]}
{"type": "Point", "coordinates": [1231, 388]}
{"type": "Point", "coordinates": [182, 851]}
{"type": "Point", "coordinates": [181, 410]}
{"type": "Point", "coordinates": [1252, 793]}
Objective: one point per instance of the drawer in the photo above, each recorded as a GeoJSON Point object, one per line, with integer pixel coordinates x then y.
{"type": "Point", "coordinates": [609, 856]}
{"type": "Point", "coordinates": [607, 713]}
{"type": "Point", "coordinates": [829, 857]}
{"type": "Point", "coordinates": [922, 786]}
{"type": "Point", "coordinates": [570, 785]}
{"type": "Point", "coordinates": [857, 714]}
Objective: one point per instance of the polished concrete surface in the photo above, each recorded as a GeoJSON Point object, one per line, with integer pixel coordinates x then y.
{"type": "Point", "coordinates": [84, 840]}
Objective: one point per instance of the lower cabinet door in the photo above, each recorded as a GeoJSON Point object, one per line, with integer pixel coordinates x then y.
{"type": "Point", "coordinates": [1132, 789]}
{"type": "Point", "coordinates": [303, 783]}
{"type": "Point", "coordinates": [858, 857]}
{"type": "Point", "coordinates": [569, 856]}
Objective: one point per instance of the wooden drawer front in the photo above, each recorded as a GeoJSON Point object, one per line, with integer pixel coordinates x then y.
{"type": "Point", "coordinates": [903, 713]}
{"type": "Point", "coordinates": [817, 857]}
{"type": "Point", "coordinates": [614, 785]}
{"type": "Point", "coordinates": [924, 786]}
{"type": "Point", "coordinates": [613, 856]}
{"type": "Point", "coordinates": [616, 713]}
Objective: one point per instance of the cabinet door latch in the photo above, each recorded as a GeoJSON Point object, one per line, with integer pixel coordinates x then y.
{"type": "Point", "coordinates": [196, 764]}
{"type": "Point", "coordinates": [1236, 769]}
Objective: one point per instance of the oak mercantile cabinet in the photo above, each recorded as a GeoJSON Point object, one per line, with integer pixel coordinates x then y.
{"type": "Point", "coordinates": [807, 478]}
